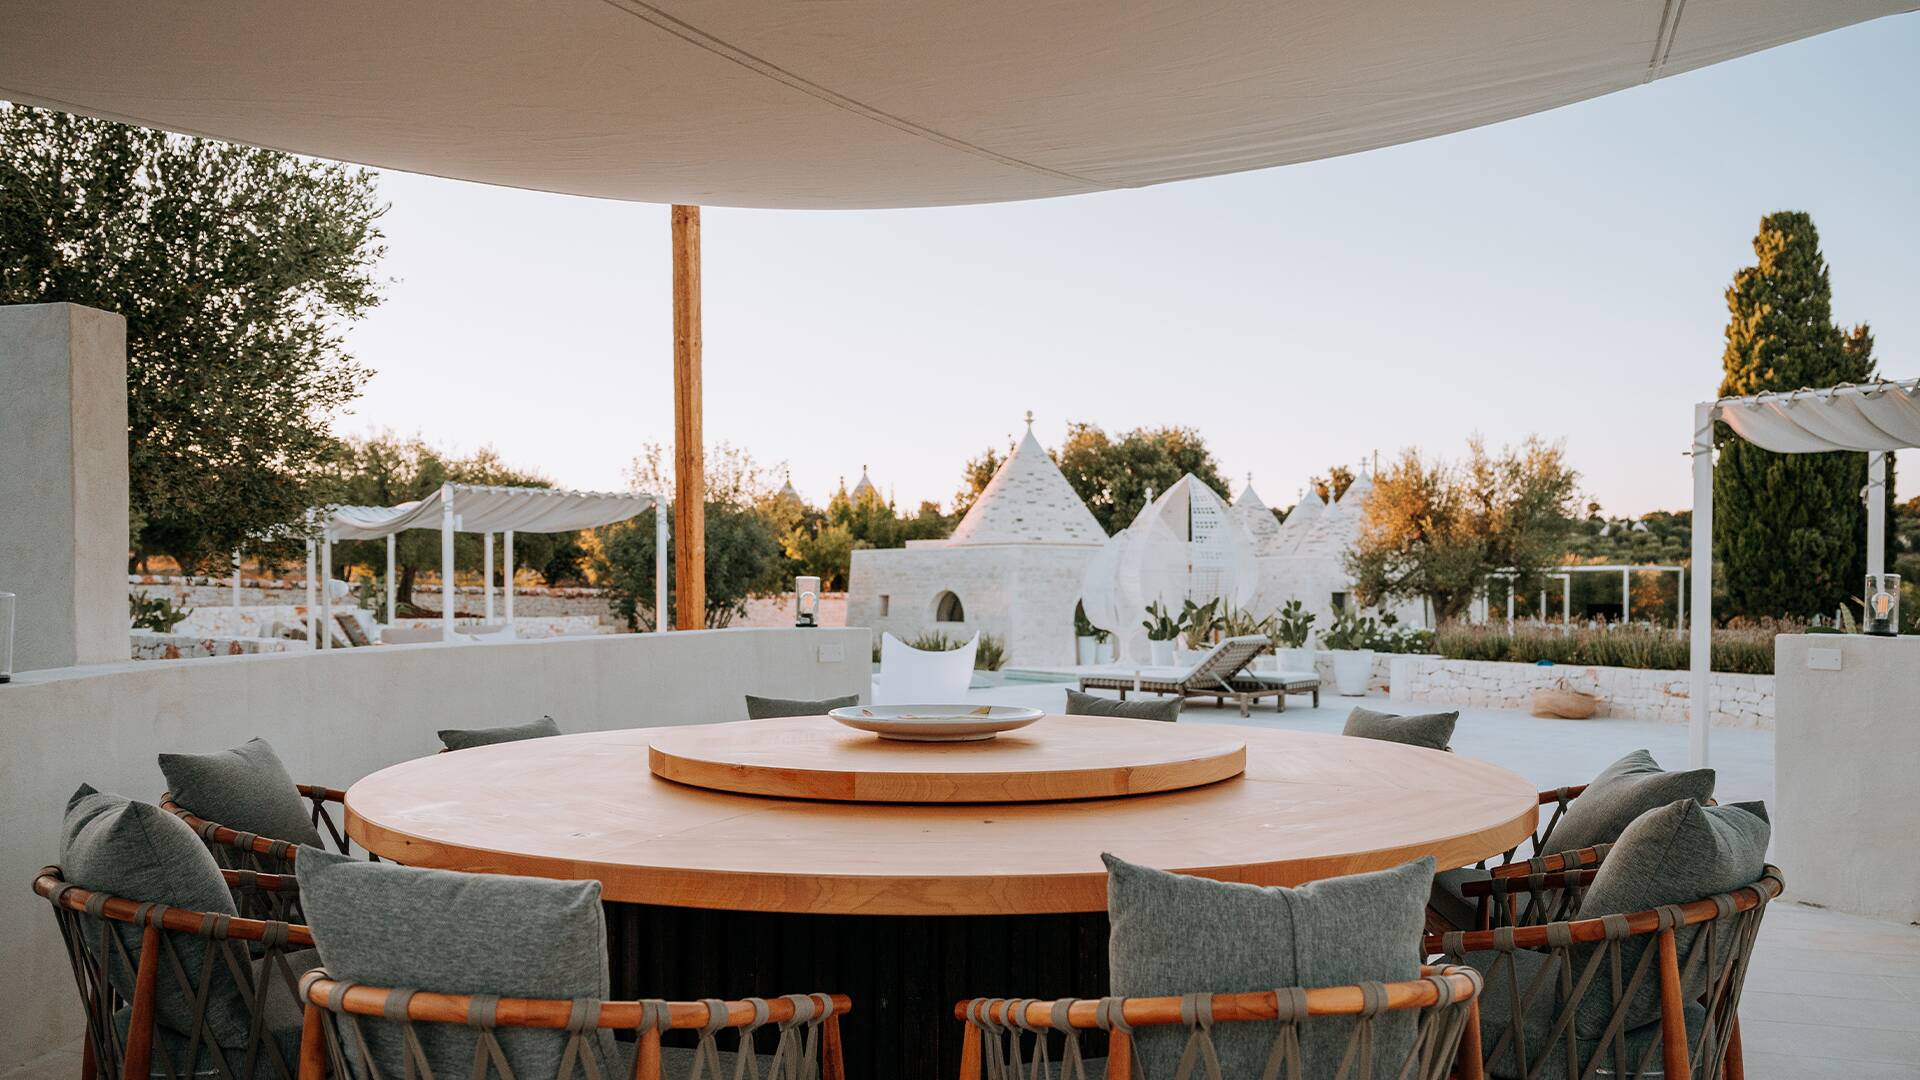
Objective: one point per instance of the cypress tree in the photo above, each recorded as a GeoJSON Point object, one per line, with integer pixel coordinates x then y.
{"type": "Point", "coordinates": [1789, 530]}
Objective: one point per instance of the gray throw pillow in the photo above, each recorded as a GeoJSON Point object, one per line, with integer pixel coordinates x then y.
{"type": "Point", "coordinates": [1173, 934]}
{"type": "Point", "coordinates": [399, 926]}
{"type": "Point", "coordinates": [245, 788]}
{"type": "Point", "coordinates": [1431, 730]}
{"type": "Point", "coordinates": [1622, 792]}
{"type": "Point", "coordinates": [768, 708]}
{"type": "Point", "coordinates": [464, 739]}
{"type": "Point", "coordinates": [1162, 709]}
{"type": "Point", "coordinates": [111, 844]}
{"type": "Point", "coordinates": [1675, 854]}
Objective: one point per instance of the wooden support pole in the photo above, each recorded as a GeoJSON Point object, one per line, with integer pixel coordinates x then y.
{"type": "Point", "coordinates": [689, 466]}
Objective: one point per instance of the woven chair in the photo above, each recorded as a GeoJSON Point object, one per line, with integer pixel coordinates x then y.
{"type": "Point", "coordinates": [187, 962]}
{"type": "Point", "coordinates": [1598, 973]}
{"type": "Point", "coordinates": [1516, 893]}
{"type": "Point", "coordinates": [344, 1021]}
{"type": "Point", "coordinates": [1008, 1039]}
{"type": "Point", "coordinates": [250, 851]}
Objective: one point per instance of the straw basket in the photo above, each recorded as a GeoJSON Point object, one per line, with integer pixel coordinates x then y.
{"type": "Point", "coordinates": [1558, 701]}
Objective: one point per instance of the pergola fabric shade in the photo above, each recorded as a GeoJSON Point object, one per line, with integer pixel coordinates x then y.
{"type": "Point", "coordinates": [490, 509]}
{"type": "Point", "coordinates": [1880, 416]}
{"type": "Point", "coordinates": [859, 103]}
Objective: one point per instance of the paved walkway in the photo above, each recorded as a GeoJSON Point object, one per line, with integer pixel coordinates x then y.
{"type": "Point", "coordinates": [1829, 995]}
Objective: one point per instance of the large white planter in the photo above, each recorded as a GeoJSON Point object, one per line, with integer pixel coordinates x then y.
{"type": "Point", "coordinates": [1103, 652]}
{"type": "Point", "coordinates": [1296, 659]}
{"type": "Point", "coordinates": [1351, 670]}
{"type": "Point", "coordinates": [1161, 653]}
{"type": "Point", "coordinates": [1086, 650]}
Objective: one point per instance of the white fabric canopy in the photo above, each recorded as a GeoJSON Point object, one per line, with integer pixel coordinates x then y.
{"type": "Point", "coordinates": [483, 509]}
{"type": "Point", "coordinates": [1876, 416]}
{"type": "Point", "coordinates": [859, 103]}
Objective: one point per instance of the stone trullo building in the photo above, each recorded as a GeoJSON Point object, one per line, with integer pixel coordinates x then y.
{"type": "Point", "coordinates": [1011, 568]}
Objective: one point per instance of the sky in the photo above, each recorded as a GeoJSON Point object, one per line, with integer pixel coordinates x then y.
{"type": "Point", "coordinates": [1561, 274]}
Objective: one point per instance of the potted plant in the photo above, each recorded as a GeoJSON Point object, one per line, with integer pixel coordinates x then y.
{"type": "Point", "coordinates": [1348, 639]}
{"type": "Point", "coordinates": [1292, 630]}
{"type": "Point", "coordinates": [1198, 622]}
{"type": "Point", "coordinates": [1162, 629]}
{"type": "Point", "coordinates": [1086, 638]}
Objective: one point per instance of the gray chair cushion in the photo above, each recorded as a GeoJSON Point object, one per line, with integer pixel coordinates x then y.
{"type": "Point", "coordinates": [1431, 730]}
{"type": "Point", "coordinates": [455, 933]}
{"type": "Point", "coordinates": [467, 738]}
{"type": "Point", "coordinates": [1163, 709]}
{"type": "Point", "coordinates": [767, 708]}
{"type": "Point", "coordinates": [1173, 934]}
{"type": "Point", "coordinates": [1496, 1012]}
{"type": "Point", "coordinates": [1676, 854]}
{"type": "Point", "coordinates": [1622, 792]}
{"type": "Point", "coordinates": [111, 844]}
{"type": "Point", "coordinates": [245, 788]}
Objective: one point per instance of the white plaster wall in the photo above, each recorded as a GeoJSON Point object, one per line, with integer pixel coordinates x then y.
{"type": "Point", "coordinates": [335, 717]}
{"type": "Point", "coordinates": [1846, 760]}
{"type": "Point", "coordinates": [63, 482]}
{"type": "Point", "coordinates": [1739, 701]}
{"type": "Point", "coordinates": [1024, 593]}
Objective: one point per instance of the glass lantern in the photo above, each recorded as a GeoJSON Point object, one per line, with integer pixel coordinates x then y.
{"type": "Point", "coordinates": [6, 636]}
{"type": "Point", "coordinates": [1883, 605]}
{"type": "Point", "coordinates": [806, 601]}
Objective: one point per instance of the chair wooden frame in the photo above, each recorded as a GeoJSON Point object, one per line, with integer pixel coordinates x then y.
{"type": "Point", "coordinates": [1498, 900]}
{"type": "Point", "coordinates": [809, 1024]}
{"type": "Point", "coordinates": [251, 851]}
{"type": "Point", "coordinates": [1448, 995]}
{"type": "Point", "coordinates": [235, 942]}
{"type": "Point", "coordinates": [1717, 1052]}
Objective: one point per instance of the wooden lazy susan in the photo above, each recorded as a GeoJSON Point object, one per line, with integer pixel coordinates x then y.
{"type": "Point", "coordinates": [1060, 757]}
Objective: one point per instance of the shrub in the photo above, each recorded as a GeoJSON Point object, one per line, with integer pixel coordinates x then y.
{"type": "Point", "coordinates": [991, 655]}
{"type": "Point", "coordinates": [155, 613]}
{"type": "Point", "coordinates": [1741, 650]}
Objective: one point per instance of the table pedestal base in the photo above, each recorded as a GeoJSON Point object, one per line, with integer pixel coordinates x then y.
{"type": "Point", "coordinates": [904, 972]}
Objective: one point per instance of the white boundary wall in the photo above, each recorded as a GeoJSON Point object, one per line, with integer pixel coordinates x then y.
{"type": "Point", "coordinates": [1739, 701]}
{"type": "Point", "coordinates": [335, 717]}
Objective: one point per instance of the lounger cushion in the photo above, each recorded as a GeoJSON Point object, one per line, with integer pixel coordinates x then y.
{"type": "Point", "coordinates": [1675, 854]}
{"type": "Point", "coordinates": [1431, 730]}
{"type": "Point", "coordinates": [1622, 792]}
{"type": "Point", "coordinates": [463, 739]}
{"type": "Point", "coordinates": [400, 926]}
{"type": "Point", "coordinates": [111, 844]}
{"type": "Point", "coordinates": [1173, 934]}
{"type": "Point", "coordinates": [1164, 709]}
{"type": "Point", "coordinates": [767, 708]}
{"type": "Point", "coordinates": [245, 788]}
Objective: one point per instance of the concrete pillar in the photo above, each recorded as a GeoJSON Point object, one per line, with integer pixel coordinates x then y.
{"type": "Point", "coordinates": [63, 483]}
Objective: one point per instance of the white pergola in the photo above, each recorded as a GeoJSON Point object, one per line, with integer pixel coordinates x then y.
{"type": "Point", "coordinates": [472, 508]}
{"type": "Point", "coordinates": [1872, 418]}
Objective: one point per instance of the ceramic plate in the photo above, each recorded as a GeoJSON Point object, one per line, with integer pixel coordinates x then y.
{"type": "Point", "coordinates": [936, 723]}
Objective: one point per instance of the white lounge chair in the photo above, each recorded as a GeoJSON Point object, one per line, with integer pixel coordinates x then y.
{"type": "Point", "coordinates": [1218, 674]}
{"type": "Point", "coordinates": [910, 676]}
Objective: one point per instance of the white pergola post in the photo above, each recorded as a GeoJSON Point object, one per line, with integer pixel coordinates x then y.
{"type": "Point", "coordinates": [1877, 512]}
{"type": "Point", "coordinates": [313, 615]}
{"type": "Point", "coordinates": [1510, 592]}
{"type": "Point", "coordinates": [660, 620]}
{"type": "Point", "coordinates": [326, 590]}
{"type": "Point", "coordinates": [1566, 600]}
{"type": "Point", "coordinates": [1700, 647]}
{"type": "Point", "coordinates": [391, 584]}
{"type": "Point", "coordinates": [236, 578]}
{"type": "Point", "coordinates": [1680, 601]}
{"type": "Point", "coordinates": [1626, 596]}
{"type": "Point", "coordinates": [507, 555]}
{"type": "Point", "coordinates": [486, 575]}
{"type": "Point", "coordinates": [446, 562]}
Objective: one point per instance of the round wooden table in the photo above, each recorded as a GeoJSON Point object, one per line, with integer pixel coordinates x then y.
{"type": "Point", "coordinates": [911, 907]}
